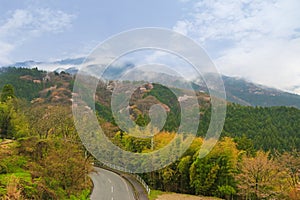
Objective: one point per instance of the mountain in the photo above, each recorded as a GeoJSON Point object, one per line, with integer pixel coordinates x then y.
{"type": "Point", "coordinates": [268, 127]}
{"type": "Point", "coordinates": [70, 61]}
{"type": "Point", "coordinates": [238, 90]}
{"type": "Point", "coordinates": [247, 93]}
{"type": "Point", "coordinates": [60, 65]}
{"type": "Point", "coordinates": [26, 64]}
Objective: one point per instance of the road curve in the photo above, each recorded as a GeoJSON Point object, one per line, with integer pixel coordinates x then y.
{"type": "Point", "coordinates": [110, 186]}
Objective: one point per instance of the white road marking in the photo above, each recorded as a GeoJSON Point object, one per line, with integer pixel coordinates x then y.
{"type": "Point", "coordinates": [112, 189]}
{"type": "Point", "coordinates": [109, 180]}
{"type": "Point", "coordinates": [125, 184]}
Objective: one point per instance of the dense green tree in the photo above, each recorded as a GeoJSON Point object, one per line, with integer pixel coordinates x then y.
{"type": "Point", "coordinates": [13, 122]}
{"type": "Point", "coordinates": [245, 144]}
{"type": "Point", "coordinates": [5, 117]}
{"type": "Point", "coordinates": [183, 168]}
{"type": "Point", "coordinates": [216, 169]}
{"type": "Point", "coordinates": [7, 93]}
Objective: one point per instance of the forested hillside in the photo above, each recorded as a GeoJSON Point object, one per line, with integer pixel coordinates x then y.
{"type": "Point", "coordinates": [27, 82]}
{"type": "Point", "coordinates": [268, 128]}
{"type": "Point", "coordinates": [247, 93]}
{"type": "Point", "coordinates": [257, 156]}
{"type": "Point", "coordinates": [41, 156]}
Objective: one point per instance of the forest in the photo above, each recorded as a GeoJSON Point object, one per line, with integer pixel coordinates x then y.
{"type": "Point", "coordinates": [41, 155]}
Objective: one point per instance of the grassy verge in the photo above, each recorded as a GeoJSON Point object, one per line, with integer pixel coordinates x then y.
{"type": "Point", "coordinates": [154, 194]}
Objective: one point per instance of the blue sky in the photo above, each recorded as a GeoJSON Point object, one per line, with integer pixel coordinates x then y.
{"type": "Point", "coordinates": [75, 28]}
{"type": "Point", "coordinates": [254, 39]}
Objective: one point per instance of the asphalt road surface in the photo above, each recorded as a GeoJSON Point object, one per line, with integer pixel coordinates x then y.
{"type": "Point", "coordinates": [110, 186]}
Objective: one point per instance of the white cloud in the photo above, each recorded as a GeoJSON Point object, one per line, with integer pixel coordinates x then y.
{"type": "Point", "coordinates": [259, 40]}
{"type": "Point", "coordinates": [23, 24]}
{"type": "Point", "coordinates": [5, 50]}
{"type": "Point", "coordinates": [182, 27]}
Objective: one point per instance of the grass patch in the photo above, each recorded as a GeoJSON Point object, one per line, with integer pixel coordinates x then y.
{"type": "Point", "coordinates": [154, 194]}
{"type": "Point", "coordinates": [24, 176]}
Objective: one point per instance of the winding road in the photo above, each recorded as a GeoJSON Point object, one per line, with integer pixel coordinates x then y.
{"type": "Point", "coordinates": [110, 186]}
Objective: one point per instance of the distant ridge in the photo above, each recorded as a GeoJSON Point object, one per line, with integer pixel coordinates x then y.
{"type": "Point", "coordinates": [238, 90]}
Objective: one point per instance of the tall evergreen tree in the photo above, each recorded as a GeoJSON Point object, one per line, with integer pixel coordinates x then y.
{"type": "Point", "coordinates": [7, 92]}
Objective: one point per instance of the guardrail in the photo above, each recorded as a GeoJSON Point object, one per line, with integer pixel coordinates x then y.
{"type": "Point", "coordinates": [147, 188]}
{"type": "Point", "coordinates": [122, 169]}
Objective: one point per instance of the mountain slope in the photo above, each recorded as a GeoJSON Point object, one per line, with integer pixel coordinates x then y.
{"type": "Point", "coordinates": [27, 82]}
{"type": "Point", "coordinates": [247, 93]}
{"type": "Point", "coordinates": [237, 90]}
